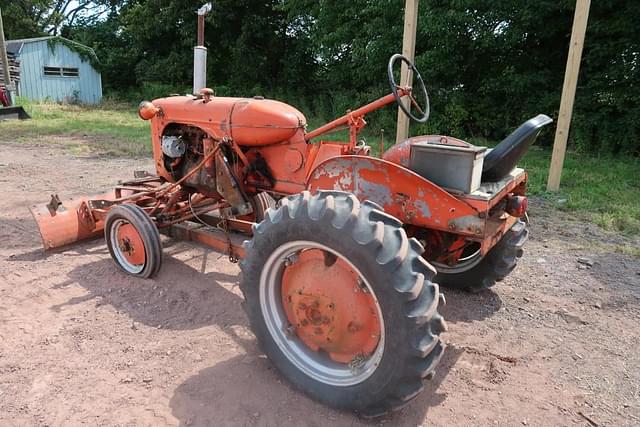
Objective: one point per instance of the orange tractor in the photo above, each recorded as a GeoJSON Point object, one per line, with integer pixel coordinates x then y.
{"type": "Point", "coordinates": [342, 250]}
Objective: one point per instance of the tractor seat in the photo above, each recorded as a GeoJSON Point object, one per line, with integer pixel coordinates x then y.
{"type": "Point", "coordinates": [504, 157]}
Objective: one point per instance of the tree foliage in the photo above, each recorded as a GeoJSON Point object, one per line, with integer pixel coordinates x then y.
{"type": "Point", "coordinates": [488, 64]}
{"type": "Point", "coordinates": [29, 18]}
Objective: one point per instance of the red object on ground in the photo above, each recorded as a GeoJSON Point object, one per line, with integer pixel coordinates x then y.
{"type": "Point", "coordinates": [4, 98]}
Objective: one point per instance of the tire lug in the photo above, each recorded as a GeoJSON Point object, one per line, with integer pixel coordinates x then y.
{"type": "Point", "coordinates": [312, 319]}
{"type": "Point", "coordinates": [443, 300]}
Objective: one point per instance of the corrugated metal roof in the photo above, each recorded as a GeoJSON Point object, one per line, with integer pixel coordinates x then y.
{"type": "Point", "coordinates": [15, 46]}
{"type": "Point", "coordinates": [32, 39]}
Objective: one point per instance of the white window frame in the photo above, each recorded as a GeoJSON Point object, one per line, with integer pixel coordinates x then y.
{"type": "Point", "coordinates": [68, 72]}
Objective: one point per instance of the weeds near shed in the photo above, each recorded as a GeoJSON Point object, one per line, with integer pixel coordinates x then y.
{"type": "Point", "coordinates": [107, 129]}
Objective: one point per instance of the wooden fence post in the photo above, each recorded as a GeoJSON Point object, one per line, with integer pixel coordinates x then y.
{"type": "Point", "coordinates": [408, 50]}
{"type": "Point", "coordinates": [568, 93]}
{"type": "Point", "coordinates": [5, 61]}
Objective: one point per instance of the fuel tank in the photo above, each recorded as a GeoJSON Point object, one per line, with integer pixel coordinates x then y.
{"type": "Point", "coordinates": [249, 121]}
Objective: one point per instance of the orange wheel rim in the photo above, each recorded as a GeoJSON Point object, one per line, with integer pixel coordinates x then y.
{"type": "Point", "coordinates": [329, 306]}
{"type": "Point", "coordinates": [130, 244]}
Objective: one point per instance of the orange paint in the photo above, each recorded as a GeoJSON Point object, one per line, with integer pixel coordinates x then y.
{"type": "Point", "coordinates": [71, 222]}
{"type": "Point", "coordinates": [147, 110]}
{"type": "Point", "coordinates": [131, 245]}
{"type": "Point", "coordinates": [273, 133]}
{"type": "Point", "coordinates": [328, 308]}
{"type": "Point", "coordinates": [401, 192]}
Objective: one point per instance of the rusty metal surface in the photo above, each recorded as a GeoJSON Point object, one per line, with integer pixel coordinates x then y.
{"type": "Point", "coordinates": [263, 129]}
{"type": "Point", "coordinates": [65, 222]}
{"type": "Point", "coordinates": [399, 191]}
{"type": "Point", "coordinates": [469, 224]}
{"type": "Point", "coordinates": [399, 154]}
{"type": "Point", "coordinates": [355, 117]}
{"type": "Point", "coordinates": [208, 236]}
{"type": "Point", "coordinates": [515, 183]}
{"type": "Point", "coordinates": [495, 229]}
{"type": "Point", "coordinates": [228, 187]}
{"type": "Point", "coordinates": [329, 308]}
{"type": "Point", "coordinates": [254, 145]}
{"type": "Point", "coordinates": [69, 222]}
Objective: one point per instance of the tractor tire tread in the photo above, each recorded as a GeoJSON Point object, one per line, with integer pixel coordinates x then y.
{"type": "Point", "coordinates": [149, 233]}
{"type": "Point", "coordinates": [370, 231]}
{"type": "Point", "coordinates": [494, 267]}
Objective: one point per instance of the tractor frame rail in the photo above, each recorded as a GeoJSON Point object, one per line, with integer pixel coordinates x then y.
{"type": "Point", "coordinates": [176, 212]}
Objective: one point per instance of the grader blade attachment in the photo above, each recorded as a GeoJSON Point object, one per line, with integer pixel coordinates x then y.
{"type": "Point", "coordinates": [13, 113]}
{"type": "Point", "coordinates": [64, 223]}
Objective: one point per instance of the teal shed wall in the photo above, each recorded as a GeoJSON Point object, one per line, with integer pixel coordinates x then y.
{"type": "Point", "coordinates": [34, 85]}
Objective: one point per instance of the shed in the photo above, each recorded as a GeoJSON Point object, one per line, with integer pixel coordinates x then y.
{"type": "Point", "coordinates": [56, 68]}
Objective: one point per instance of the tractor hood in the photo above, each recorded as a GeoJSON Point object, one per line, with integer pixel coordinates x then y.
{"type": "Point", "coordinates": [249, 121]}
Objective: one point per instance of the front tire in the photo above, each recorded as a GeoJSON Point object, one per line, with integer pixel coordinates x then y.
{"type": "Point", "coordinates": [133, 240]}
{"type": "Point", "coordinates": [351, 267]}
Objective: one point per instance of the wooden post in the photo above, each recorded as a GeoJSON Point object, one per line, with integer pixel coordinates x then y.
{"type": "Point", "coordinates": [5, 61]}
{"type": "Point", "coordinates": [568, 93]}
{"type": "Point", "coordinates": [408, 50]}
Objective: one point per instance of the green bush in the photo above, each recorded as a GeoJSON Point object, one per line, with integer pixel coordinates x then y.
{"type": "Point", "coordinates": [489, 64]}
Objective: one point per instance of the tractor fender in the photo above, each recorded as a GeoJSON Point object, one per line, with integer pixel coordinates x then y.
{"type": "Point", "coordinates": [399, 191]}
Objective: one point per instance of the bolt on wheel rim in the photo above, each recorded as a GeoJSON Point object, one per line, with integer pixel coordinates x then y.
{"type": "Point", "coordinates": [128, 247]}
{"type": "Point", "coordinates": [330, 326]}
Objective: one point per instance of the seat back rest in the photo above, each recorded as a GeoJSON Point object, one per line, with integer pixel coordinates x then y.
{"type": "Point", "coordinates": [504, 157]}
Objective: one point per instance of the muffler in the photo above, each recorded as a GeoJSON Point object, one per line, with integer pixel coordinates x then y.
{"type": "Point", "coordinates": [200, 53]}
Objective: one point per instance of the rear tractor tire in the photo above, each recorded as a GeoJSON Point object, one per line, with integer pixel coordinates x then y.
{"type": "Point", "coordinates": [342, 303]}
{"type": "Point", "coordinates": [475, 275]}
{"type": "Point", "coordinates": [133, 240]}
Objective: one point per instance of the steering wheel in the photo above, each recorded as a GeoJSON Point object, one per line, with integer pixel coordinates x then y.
{"type": "Point", "coordinates": [395, 90]}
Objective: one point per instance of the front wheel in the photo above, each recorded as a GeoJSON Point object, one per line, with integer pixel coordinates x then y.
{"type": "Point", "coordinates": [342, 303]}
{"type": "Point", "coordinates": [133, 240]}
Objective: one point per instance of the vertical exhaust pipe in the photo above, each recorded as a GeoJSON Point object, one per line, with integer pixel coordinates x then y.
{"type": "Point", "coordinates": [200, 53]}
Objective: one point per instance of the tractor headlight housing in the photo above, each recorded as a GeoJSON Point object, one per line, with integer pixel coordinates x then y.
{"type": "Point", "coordinates": [147, 110]}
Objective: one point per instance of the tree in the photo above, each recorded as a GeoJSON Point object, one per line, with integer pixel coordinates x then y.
{"type": "Point", "coordinates": [32, 18]}
{"type": "Point", "coordinates": [20, 17]}
{"type": "Point", "coordinates": [488, 64]}
{"type": "Point", "coordinates": [250, 49]}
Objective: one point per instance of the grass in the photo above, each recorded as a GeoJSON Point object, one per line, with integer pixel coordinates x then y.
{"type": "Point", "coordinates": [600, 189]}
{"type": "Point", "coordinates": [604, 190]}
{"type": "Point", "coordinates": [110, 128]}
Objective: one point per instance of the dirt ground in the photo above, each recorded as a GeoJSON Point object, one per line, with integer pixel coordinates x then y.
{"type": "Point", "coordinates": [556, 343]}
